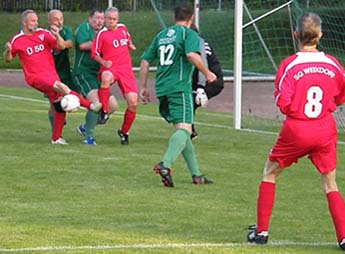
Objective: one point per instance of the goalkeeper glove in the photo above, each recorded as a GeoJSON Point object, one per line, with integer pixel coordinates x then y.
{"type": "Point", "coordinates": [201, 97]}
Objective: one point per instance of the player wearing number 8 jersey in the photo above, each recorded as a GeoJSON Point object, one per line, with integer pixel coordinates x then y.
{"type": "Point", "coordinates": [309, 86]}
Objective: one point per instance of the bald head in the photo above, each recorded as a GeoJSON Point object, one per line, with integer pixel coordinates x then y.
{"type": "Point", "coordinates": [55, 17]}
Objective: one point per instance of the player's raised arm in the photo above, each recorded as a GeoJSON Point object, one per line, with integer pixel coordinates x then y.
{"type": "Point", "coordinates": [60, 42]}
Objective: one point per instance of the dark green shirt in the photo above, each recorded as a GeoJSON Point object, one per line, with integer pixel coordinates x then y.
{"type": "Point", "coordinates": [170, 48]}
{"type": "Point", "coordinates": [82, 61]}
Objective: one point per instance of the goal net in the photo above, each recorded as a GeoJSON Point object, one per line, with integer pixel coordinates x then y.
{"type": "Point", "coordinates": [267, 39]}
{"type": "Point", "coordinates": [268, 27]}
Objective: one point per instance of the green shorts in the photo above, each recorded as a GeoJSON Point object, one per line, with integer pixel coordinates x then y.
{"type": "Point", "coordinates": [85, 83]}
{"type": "Point", "coordinates": [177, 107]}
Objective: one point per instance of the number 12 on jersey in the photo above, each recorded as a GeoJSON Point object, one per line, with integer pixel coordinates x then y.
{"type": "Point", "coordinates": [166, 53]}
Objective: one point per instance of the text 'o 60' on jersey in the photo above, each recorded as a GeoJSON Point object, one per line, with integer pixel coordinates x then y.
{"type": "Point", "coordinates": [113, 45]}
{"type": "Point", "coordinates": [170, 47]}
{"type": "Point", "coordinates": [34, 52]}
{"type": "Point", "coordinates": [309, 85]}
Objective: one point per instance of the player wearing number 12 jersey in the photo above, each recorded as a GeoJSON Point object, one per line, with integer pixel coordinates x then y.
{"type": "Point", "coordinates": [177, 49]}
{"type": "Point", "coordinates": [309, 87]}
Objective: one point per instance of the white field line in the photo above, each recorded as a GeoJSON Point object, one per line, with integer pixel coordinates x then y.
{"type": "Point", "coordinates": [159, 246]}
{"type": "Point", "coordinates": [155, 117]}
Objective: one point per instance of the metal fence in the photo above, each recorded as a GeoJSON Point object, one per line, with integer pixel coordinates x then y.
{"type": "Point", "coordinates": [83, 5]}
{"type": "Point", "coordinates": [70, 5]}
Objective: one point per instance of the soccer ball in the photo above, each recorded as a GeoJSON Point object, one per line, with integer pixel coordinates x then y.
{"type": "Point", "coordinates": [70, 103]}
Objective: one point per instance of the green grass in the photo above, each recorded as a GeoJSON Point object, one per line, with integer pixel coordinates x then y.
{"type": "Point", "coordinates": [73, 196]}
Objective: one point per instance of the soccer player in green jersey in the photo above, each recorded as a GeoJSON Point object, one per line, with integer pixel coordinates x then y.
{"type": "Point", "coordinates": [61, 58]}
{"type": "Point", "coordinates": [85, 72]}
{"type": "Point", "coordinates": [177, 49]}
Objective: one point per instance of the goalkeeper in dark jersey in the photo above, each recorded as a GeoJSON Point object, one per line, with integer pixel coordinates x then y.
{"type": "Point", "coordinates": [203, 90]}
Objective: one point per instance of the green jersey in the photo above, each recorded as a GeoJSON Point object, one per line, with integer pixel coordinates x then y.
{"type": "Point", "coordinates": [61, 58]}
{"type": "Point", "coordinates": [83, 63]}
{"type": "Point", "coordinates": [170, 47]}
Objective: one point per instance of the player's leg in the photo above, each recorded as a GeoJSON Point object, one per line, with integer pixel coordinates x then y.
{"type": "Point", "coordinates": [177, 108]}
{"type": "Point", "coordinates": [45, 84]}
{"type": "Point", "coordinates": [91, 119]}
{"type": "Point", "coordinates": [59, 116]}
{"type": "Point", "coordinates": [107, 78]}
{"type": "Point", "coordinates": [265, 202]}
{"type": "Point", "coordinates": [64, 89]}
{"type": "Point", "coordinates": [68, 80]}
{"type": "Point", "coordinates": [192, 164]}
{"type": "Point", "coordinates": [177, 141]}
{"type": "Point", "coordinates": [211, 91]}
{"type": "Point", "coordinates": [194, 134]}
{"type": "Point", "coordinates": [51, 116]}
{"type": "Point", "coordinates": [336, 205]}
{"type": "Point", "coordinates": [129, 116]}
{"type": "Point", "coordinates": [129, 89]}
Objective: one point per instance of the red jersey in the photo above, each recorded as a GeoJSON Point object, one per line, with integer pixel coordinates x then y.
{"type": "Point", "coordinates": [309, 85]}
{"type": "Point", "coordinates": [113, 45]}
{"type": "Point", "coordinates": [34, 52]}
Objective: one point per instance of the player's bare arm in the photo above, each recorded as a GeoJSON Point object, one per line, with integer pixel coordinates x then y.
{"type": "Point", "coordinates": [7, 53]}
{"type": "Point", "coordinates": [60, 42]}
{"type": "Point", "coordinates": [144, 70]}
{"type": "Point", "coordinates": [196, 60]}
{"type": "Point", "coordinates": [85, 46]}
{"type": "Point", "coordinates": [68, 44]}
{"type": "Point", "coordinates": [101, 61]}
{"type": "Point", "coordinates": [131, 46]}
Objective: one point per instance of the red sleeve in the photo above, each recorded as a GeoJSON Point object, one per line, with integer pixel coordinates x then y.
{"type": "Point", "coordinates": [284, 85]}
{"type": "Point", "coordinates": [50, 40]}
{"type": "Point", "coordinates": [96, 45]}
{"type": "Point", "coordinates": [340, 98]}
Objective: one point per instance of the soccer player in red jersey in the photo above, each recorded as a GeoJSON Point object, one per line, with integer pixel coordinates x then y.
{"type": "Point", "coordinates": [33, 46]}
{"type": "Point", "coordinates": [309, 86]}
{"type": "Point", "coordinates": [110, 49]}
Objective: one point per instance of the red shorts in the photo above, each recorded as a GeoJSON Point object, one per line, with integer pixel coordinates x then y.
{"type": "Point", "coordinates": [317, 139]}
{"type": "Point", "coordinates": [45, 84]}
{"type": "Point", "coordinates": [125, 79]}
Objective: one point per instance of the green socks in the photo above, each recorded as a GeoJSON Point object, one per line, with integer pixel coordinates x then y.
{"type": "Point", "coordinates": [179, 143]}
{"type": "Point", "coordinates": [91, 120]}
{"type": "Point", "coordinates": [50, 118]}
{"type": "Point", "coordinates": [190, 158]}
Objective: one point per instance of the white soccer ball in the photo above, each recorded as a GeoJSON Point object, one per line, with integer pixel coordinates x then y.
{"type": "Point", "coordinates": [70, 103]}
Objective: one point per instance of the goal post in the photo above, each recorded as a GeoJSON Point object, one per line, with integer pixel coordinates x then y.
{"type": "Point", "coordinates": [241, 6]}
{"type": "Point", "coordinates": [237, 87]}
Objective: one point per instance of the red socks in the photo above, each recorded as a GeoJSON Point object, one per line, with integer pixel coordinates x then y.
{"type": "Point", "coordinates": [336, 207]}
{"type": "Point", "coordinates": [83, 102]}
{"type": "Point", "coordinates": [265, 204]}
{"type": "Point", "coordinates": [58, 124]}
{"type": "Point", "coordinates": [103, 95]}
{"type": "Point", "coordinates": [128, 121]}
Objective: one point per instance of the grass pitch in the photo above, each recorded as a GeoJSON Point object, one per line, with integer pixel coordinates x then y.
{"type": "Point", "coordinates": [106, 199]}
